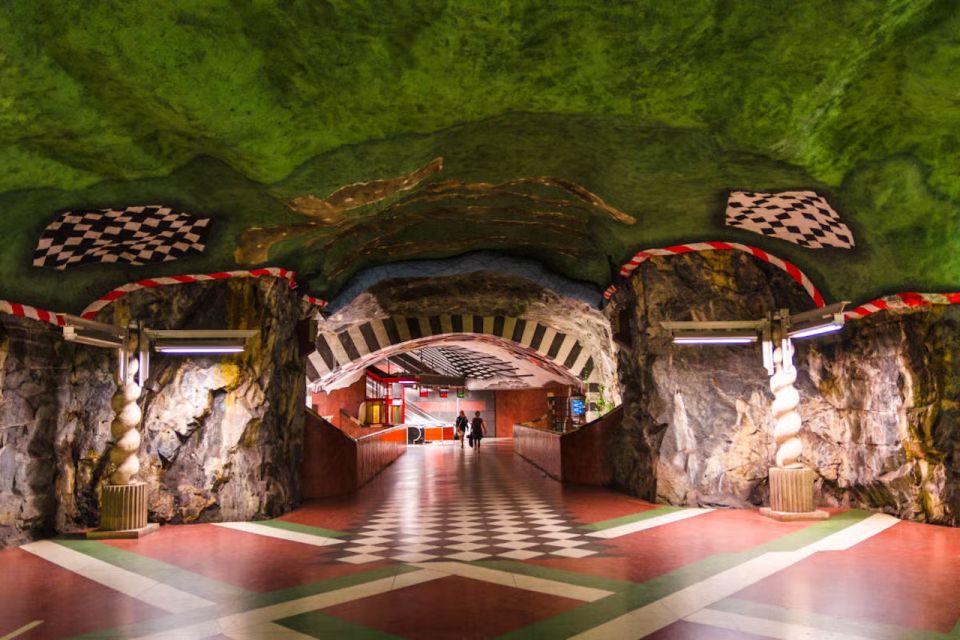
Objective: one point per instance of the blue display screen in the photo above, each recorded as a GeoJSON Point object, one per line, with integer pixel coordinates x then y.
{"type": "Point", "coordinates": [578, 406]}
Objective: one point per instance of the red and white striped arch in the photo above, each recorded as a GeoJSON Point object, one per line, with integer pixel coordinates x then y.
{"type": "Point", "coordinates": [792, 270]}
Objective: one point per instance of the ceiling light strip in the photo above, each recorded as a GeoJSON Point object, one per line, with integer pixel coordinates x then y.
{"type": "Point", "coordinates": [792, 270]}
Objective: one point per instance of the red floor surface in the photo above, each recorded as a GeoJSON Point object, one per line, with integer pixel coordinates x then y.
{"type": "Point", "coordinates": [34, 589]}
{"type": "Point", "coordinates": [438, 502]}
{"type": "Point", "coordinates": [908, 575]}
{"type": "Point", "coordinates": [242, 559]}
{"type": "Point", "coordinates": [452, 607]}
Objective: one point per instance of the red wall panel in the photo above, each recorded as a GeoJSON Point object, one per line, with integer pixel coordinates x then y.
{"type": "Point", "coordinates": [348, 399]}
{"type": "Point", "coordinates": [334, 463]}
{"type": "Point", "coordinates": [585, 453]}
{"type": "Point", "coordinates": [541, 447]}
{"type": "Point", "coordinates": [515, 406]}
{"type": "Point", "coordinates": [329, 466]}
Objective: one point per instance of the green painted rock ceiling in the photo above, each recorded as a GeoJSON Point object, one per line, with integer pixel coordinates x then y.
{"type": "Point", "coordinates": [327, 137]}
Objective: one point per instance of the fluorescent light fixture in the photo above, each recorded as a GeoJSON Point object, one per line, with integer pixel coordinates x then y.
{"type": "Point", "coordinates": [198, 341]}
{"type": "Point", "coordinates": [816, 322]}
{"type": "Point", "coordinates": [407, 382]}
{"type": "Point", "coordinates": [184, 347]}
{"type": "Point", "coordinates": [715, 332]}
{"type": "Point", "coordinates": [90, 332]}
{"type": "Point", "coordinates": [809, 332]}
{"type": "Point", "coordinates": [72, 334]}
{"type": "Point", "coordinates": [715, 337]}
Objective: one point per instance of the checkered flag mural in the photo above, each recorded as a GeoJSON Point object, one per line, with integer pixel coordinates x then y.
{"type": "Point", "coordinates": [800, 217]}
{"type": "Point", "coordinates": [134, 235]}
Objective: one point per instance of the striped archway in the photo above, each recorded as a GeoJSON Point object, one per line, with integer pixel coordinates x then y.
{"type": "Point", "coordinates": [361, 345]}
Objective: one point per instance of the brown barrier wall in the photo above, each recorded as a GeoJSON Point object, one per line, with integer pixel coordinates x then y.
{"type": "Point", "coordinates": [585, 453]}
{"type": "Point", "coordinates": [540, 447]}
{"type": "Point", "coordinates": [334, 463]}
{"type": "Point", "coordinates": [376, 452]}
{"type": "Point", "coordinates": [580, 457]}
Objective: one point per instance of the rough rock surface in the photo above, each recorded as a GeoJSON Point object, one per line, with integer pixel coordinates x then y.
{"type": "Point", "coordinates": [222, 436]}
{"type": "Point", "coordinates": [878, 400]}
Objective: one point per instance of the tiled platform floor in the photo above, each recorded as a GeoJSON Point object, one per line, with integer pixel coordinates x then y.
{"type": "Point", "coordinates": [449, 543]}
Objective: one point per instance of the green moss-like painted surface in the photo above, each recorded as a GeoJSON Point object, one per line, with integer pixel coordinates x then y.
{"type": "Point", "coordinates": [225, 108]}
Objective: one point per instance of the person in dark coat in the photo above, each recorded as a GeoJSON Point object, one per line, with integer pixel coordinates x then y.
{"type": "Point", "coordinates": [477, 429]}
{"type": "Point", "coordinates": [462, 424]}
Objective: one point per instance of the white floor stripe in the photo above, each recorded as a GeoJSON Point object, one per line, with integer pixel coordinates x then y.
{"type": "Point", "coordinates": [767, 628]}
{"type": "Point", "coordinates": [132, 584]}
{"type": "Point", "coordinates": [22, 630]}
{"type": "Point", "coordinates": [282, 534]}
{"type": "Point", "coordinates": [238, 624]}
{"type": "Point", "coordinates": [648, 523]}
{"type": "Point", "coordinates": [686, 602]}
{"type": "Point", "coordinates": [855, 534]}
{"type": "Point", "coordinates": [518, 580]}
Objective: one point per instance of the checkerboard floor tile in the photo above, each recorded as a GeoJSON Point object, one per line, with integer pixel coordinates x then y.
{"type": "Point", "coordinates": [479, 515]}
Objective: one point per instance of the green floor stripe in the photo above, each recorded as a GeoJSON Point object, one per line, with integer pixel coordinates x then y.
{"type": "Point", "coordinates": [632, 517]}
{"type": "Point", "coordinates": [244, 603]}
{"type": "Point", "coordinates": [955, 633]}
{"type": "Point", "coordinates": [865, 628]}
{"type": "Point", "coordinates": [158, 570]}
{"type": "Point", "coordinates": [302, 528]}
{"type": "Point", "coordinates": [321, 625]}
{"type": "Point", "coordinates": [596, 613]}
{"type": "Point", "coordinates": [559, 575]}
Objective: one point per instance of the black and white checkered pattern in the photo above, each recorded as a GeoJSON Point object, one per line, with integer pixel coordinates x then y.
{"type": "Point", "coordinates": [800, 217]}
{"type": "Point", "coordinates": [134, 235]}
{"type": "Point", "coordinates": [486, 521]}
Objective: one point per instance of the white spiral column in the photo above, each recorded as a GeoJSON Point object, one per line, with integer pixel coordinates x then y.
{"type": "Point", "coordinates": [124, 428]}
{"type": "Point", "coordinates": [791, 484]}
{"type": "Point", "coordinates": [786, 399]}
{"type": "Point", "coordinates": [123, 502]}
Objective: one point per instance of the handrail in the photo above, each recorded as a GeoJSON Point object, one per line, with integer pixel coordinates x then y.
{"type": "Point", "coordinates": [350, 418]}
{"type": "Point", "coordinates": [347, 435]}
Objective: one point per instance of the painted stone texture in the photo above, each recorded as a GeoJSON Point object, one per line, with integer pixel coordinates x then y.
{"type": "Point", "coordinates": [311, 133]}
{"type": "Point", "coordinates": [222, 436]}
{"type": "Point", "coordinates": [878, 400]}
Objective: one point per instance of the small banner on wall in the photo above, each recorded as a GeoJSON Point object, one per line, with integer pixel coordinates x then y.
{"type": "Point", "coordinates": [801, 217]}
{"type": "Point", "coordinates": [133, 235]}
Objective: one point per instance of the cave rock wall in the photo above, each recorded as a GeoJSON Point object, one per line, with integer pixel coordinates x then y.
{"type": "Point", "coordinates": [222, 436]}
{"type": "Point", "coordinates": [878, 400]}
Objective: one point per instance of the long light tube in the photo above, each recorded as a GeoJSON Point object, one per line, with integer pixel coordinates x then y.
{"type": "Point", "coordinates": [809, 332]}
{"type": "Point", "coordinates": [198, 341]}
{"type": "Point", "coordinates": [712, 340]}
{"type": "Point", "coordinates": [199, 349]}
{"type": "Point", "coordinates": [715, 337]}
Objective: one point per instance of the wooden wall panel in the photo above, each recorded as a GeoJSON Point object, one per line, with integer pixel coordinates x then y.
{"type": "Point", "coordinates": [329, 466]}
{"type": "Point", "coordinates": [334, 463]}
{"type": "Point", "coordinates": [539, 446]}
{"type": "Point", "coordinates": [585, 453]}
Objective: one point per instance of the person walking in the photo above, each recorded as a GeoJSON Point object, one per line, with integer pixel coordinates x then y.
{"type": "Point", "coordinates": [462, 424]}
{"type": "Point", "coordinates": [477, 430]}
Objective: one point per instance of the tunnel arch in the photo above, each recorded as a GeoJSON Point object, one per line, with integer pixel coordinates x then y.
{"type": "Point", "coordinates": [341, 353]}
